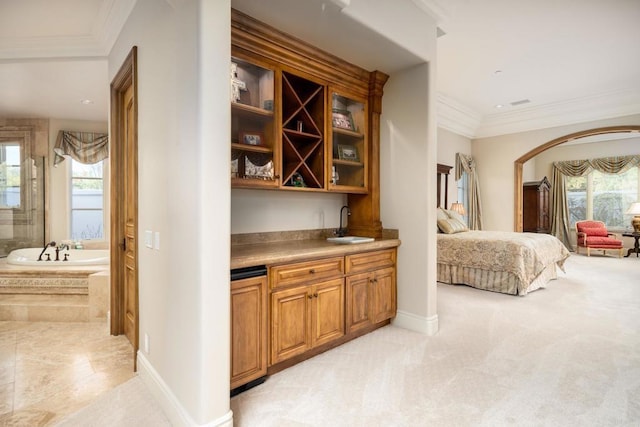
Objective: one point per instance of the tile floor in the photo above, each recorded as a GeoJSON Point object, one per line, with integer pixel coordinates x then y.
{"type": "Point", "coordinates": [51, 369]}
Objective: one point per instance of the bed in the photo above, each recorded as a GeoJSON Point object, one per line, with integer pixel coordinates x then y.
{"type": "Point", "coordinates": [499, 261]}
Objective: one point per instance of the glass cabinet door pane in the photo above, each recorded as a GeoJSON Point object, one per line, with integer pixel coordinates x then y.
{"type": "Point", "coordinates": [252, 125]}
{"type": "Point", "coordinates": [349, 144]}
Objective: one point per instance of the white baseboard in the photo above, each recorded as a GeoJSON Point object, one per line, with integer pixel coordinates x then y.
{"type": "Point", "coordinates": [413, 322]}
{"type": "Point", "coordinates": [172, 408]}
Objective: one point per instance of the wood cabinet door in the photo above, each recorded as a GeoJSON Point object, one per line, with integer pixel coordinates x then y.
{"type": "Point", "coordinates": [358, 306]}
{"type": "Point", "coordinates": [248, 330]}
{"type": "Point", "coordinates": [328, 311]}
{"type": "Point", "coordinates": [290, 323]}
{"type": "Point", "coordinates": [383, 294]}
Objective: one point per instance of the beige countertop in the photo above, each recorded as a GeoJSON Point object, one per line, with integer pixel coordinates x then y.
{"type": "Point", "coordinates": [266, 253]}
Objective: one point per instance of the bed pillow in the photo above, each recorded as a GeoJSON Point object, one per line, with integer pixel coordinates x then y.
{"type": "Point", "coordinates": [442, 214]}
{"type": "Point", "coordinates": [454, 215]}
{"type": "Point", "coordinates": [452, 226]}
{"type": "Point", "coordinates": [595, 231]}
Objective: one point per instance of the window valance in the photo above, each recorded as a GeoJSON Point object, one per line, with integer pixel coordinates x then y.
{"type": "Point", "coordinates": [619, 164]}
{"type": "Point", "coordinates": [84, 147]}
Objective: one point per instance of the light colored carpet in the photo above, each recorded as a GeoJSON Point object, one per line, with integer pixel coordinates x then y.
{"type": "Point", "coordinates": [561, 356]}
{"type": "Point", "coordinates": [128, 405]}
{"type": "Point", "coordinates": [567, 355]}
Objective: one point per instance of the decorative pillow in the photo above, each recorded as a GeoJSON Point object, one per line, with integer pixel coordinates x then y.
{"type": "Point", "coordinates": [442, 214]}
{"type": "Point", "coordinates": [452, 225]}
{"type": "Point", "coordinates": [595, 231]}
{"type": "Point", "coordinates": [454, 215]}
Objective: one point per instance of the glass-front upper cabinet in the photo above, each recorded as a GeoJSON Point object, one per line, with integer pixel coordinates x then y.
{"type": "Point", "coordinates": [348, 168]}
{"type": "Point", "coordinates": [253, 154]}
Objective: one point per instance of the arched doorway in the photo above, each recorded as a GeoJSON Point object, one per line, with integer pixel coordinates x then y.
{"type": "Point", "coordinates": [518, 164]}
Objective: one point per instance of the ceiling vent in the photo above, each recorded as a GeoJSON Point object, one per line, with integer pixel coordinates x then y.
{"type": "Point", "coordinates": [522, 101]}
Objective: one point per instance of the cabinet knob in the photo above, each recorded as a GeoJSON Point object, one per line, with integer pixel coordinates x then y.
{"type": "Point", "coordinates": [309, 296]}
{"type": "Point", "coordinates": [315, 295]}
{"type": "Point", "coordinates": [312, 271]}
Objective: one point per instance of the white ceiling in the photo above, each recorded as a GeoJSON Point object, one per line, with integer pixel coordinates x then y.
{"type": "Point", "coordinates": [574, 60]}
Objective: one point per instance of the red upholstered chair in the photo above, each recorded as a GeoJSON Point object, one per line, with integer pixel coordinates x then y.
{"type": "Point", "coordinates": [594, 235]}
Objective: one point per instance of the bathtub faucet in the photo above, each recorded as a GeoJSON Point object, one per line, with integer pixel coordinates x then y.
{"type": "Point", "coordinates": [44, 249]}
{"type": "Point", "coordinates": [61, 248]}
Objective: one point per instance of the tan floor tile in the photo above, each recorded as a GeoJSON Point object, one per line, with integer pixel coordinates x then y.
{"type": "Point", "coordinates": [52, 369]}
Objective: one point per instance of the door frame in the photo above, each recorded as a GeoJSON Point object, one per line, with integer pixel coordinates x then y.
{"type": "Point", "coordinates": [125, 78]}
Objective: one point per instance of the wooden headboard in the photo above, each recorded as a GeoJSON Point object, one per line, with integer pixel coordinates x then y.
{"type": "Point", "coordinates": [443, 172]}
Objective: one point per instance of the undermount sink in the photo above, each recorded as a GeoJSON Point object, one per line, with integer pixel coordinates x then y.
{"type": "Point", "coordinates": [349, 240]}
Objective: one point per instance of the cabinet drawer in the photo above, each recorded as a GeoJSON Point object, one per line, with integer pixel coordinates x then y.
{"type": "Point", "coordinates": [305, 272]}
{"type": "Point", "coordinates": [370, 260]}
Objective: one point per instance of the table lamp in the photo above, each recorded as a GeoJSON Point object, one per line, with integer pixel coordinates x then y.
{"type": "Point", "coordinates": [459, 207]}
{"type": "Point", "coordinates": [634, 209]}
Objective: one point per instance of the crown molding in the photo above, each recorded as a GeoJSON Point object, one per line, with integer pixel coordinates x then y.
{"type": "Point", "coordinates": [578, 110]}
{"type": "Point", "coordinates": [108, 23]}
{"type": "Point", "coordinates": [434, 8]}
{"type": "Point", "coordinates": [456, 117]}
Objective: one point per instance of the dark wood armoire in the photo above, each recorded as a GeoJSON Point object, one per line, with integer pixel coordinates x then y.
{"type": "Point", "coordinates": [535, 206]}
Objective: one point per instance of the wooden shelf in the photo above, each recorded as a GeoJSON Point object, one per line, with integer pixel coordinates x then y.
{"type": "Point", "coordinates": [236, 107]}
{"type": "Point", "coordinates": [348, 163]}
{"type": "Point", "coordinates": [347, 132]}
{"type": "Point", "coordinates": [252, 148]}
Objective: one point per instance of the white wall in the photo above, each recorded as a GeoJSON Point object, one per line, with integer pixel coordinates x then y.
{"type": "Point", "coordinates": [255, 211]}
{"type": "Point", "coordinates": [408, 172]}
{"type": "Point", "coordinates": [495, 157]}
{"type": "Point", "coordinates": [449, 144]}
{"type": "Point", "coordinates": [59, 186]}
{"type": "Point", "coordinates": [183, 176]}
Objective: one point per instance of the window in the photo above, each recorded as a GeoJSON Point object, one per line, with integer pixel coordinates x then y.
{"type": "Point", "coordinates": [603, 197]}
{"type": "Point", "coordinates": [87, 201]}
{"type": "Point", "coordinates": [10, 175]}
{"type": "Point", "coordinates": [463, 192]}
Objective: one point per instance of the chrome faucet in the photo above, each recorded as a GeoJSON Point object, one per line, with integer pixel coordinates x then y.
{"type": "Point", "coordinates": [340, 232]}
{"type": "Point", "coordinates": [44, 249]}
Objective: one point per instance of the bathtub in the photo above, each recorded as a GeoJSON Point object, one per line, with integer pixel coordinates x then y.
{"type": "Point", "coordinates": [29, 256]}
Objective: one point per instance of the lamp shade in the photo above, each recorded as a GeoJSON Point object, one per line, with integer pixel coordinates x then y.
{"type": "Point", "coordinates": [459, 208]}
{"type": "Point", "coordinates": [634, 209]}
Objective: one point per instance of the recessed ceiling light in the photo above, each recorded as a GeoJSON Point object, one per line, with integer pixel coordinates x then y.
{"type": "Point", "coordinates": [499, 105]}
{"type": "Point", "coordinates": [497, 72]}
{"type": "Point", "coordinates": [86, 102]}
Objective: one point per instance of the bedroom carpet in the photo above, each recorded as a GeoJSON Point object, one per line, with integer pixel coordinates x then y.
{"type": "Point", "coordinates": [566, 355]}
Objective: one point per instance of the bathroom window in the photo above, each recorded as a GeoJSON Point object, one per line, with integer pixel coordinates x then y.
{"type": "Point", "coordinates": [10, 175]}
{"type": "Point", "coordinates": [87, 200]}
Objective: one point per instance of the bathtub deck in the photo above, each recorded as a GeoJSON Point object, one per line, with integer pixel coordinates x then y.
{"type": "Point", "coordinates": [69, 294]}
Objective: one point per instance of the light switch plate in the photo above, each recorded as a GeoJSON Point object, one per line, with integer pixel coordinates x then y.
{"type": "Point", "coordinates": [156, 240]}
{"type": "Point", "coordinates": [148, 238]}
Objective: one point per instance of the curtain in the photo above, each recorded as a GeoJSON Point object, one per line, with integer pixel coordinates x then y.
{"type": "Point", "coordinates": [559, 204]}
{"type": "Point", "coordinates": [466, 164]}
{"type": "Point", "coordinates": [85, 147]}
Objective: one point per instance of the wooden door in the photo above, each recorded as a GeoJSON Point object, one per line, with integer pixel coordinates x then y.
{"type": "Point", "coordinates": [124, 202]}
{"type": "Point", "coordinates": [358, 302]}
{"type": "Point", "coordinates": [248, 330]}
{"type": "Point", "coordinates": [290, 325]}
{"type": "Point", "coordinates": [130, 216]}
{"type": "Point", "coordinates": [383, 294]}
{"type": "Point", "coordinates": [328, 311]}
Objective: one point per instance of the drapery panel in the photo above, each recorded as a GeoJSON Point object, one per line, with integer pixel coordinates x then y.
{"type": "Point", "coordinates": [84, 147]}
{"type": "Point", "coordinates": [561, 170]}
{"type": "Point", "coordinates": [466, 164]}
